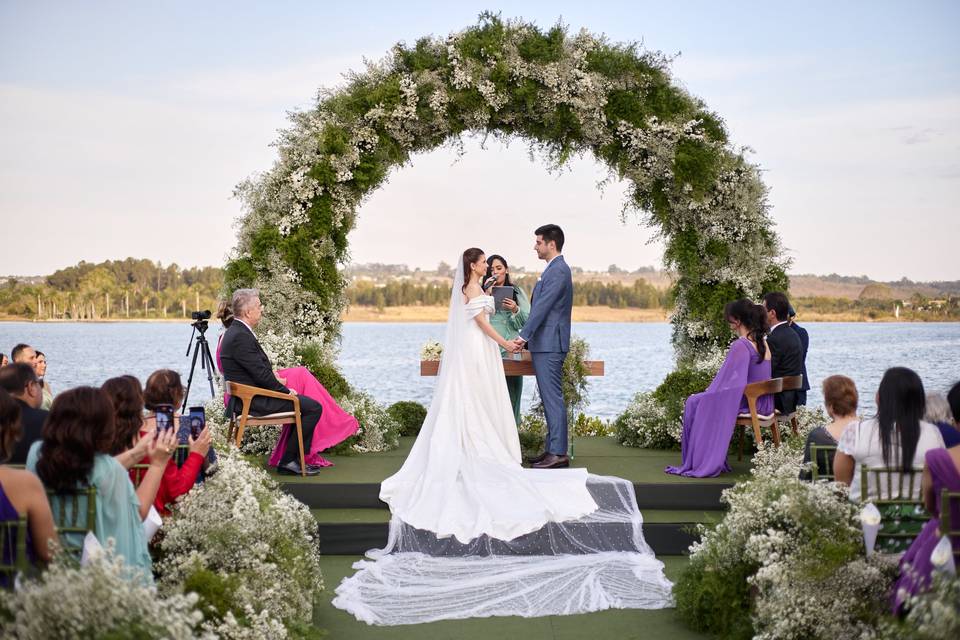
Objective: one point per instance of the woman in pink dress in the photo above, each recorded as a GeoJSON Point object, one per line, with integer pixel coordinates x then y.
{"type": "Point", "coordinates": [335, 425]}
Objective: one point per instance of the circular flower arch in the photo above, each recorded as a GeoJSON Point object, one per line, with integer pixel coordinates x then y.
{"type": "Point", "coordinates": [565, 95]}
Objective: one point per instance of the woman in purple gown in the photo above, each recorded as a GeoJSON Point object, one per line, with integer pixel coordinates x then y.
{"type": "Point", "coordinates": [941, 471]}
{"type": "Point", "coordinates": [709, 417]}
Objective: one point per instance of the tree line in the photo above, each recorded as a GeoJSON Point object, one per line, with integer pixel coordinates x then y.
{"type": "Point", "coordinates": [115, 289]}
{"type": "Point", "coordinates": [395, 293]}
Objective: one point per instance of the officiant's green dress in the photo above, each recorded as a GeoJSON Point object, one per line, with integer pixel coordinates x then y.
{"type": "Point", "coordinates": [508, 325]}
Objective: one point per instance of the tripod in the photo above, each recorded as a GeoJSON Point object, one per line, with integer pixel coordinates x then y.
{"type": "Point", "coordinates": [200, 348]}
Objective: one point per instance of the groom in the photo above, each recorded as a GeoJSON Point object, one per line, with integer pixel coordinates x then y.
{"type": "Point", "coordinates": [547, 336]}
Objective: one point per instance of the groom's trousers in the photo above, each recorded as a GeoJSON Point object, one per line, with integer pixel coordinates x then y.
{"type": "Point", "coordinates": [549, 369]}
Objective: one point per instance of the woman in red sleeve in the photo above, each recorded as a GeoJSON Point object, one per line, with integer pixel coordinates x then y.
{"type": "Point", "coordinates": [164, 387]}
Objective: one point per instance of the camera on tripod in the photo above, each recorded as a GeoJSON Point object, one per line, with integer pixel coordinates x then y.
{"type": "Point", "coordinates": [200, 319]}
{"type": "Point", "coordinates": [201, 348]}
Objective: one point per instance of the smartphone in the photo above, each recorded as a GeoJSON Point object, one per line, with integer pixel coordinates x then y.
{"type": "Point", "coordinates": [164, 417]}
{"type": "Point", "coordinates": [197, 420]}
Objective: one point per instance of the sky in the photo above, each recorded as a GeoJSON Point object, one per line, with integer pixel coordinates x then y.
{"type": "Point", "coordinates": [125, 127]}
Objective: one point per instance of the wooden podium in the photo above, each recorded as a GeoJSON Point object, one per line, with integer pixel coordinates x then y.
{"type": "Point", "coordinates": [512, 367]}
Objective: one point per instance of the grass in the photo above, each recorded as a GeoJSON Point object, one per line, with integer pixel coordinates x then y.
{"type": "Point", "coordinates": [602, 456]}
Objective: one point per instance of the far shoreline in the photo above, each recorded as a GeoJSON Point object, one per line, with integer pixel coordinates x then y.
{"type": "Point", "coordinates": [438, 314]}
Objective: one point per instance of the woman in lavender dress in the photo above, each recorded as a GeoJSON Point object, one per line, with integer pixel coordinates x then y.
{"type": "Point", "coordinates": [709, 417]}
{"type": "Point", "coordinates": [941, 471]}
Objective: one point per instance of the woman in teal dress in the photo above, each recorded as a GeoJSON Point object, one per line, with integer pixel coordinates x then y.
{"type": "Point", "coordinates": [508, 321]}
{"type": "Point", "coordinates": [73, 454]}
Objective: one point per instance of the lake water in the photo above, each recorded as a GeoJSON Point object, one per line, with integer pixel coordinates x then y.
{"type": "Point", "coordinates": [384, 358]}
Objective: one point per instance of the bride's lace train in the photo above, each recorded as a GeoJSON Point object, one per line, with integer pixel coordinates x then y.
{"type": "Point", "coordinates": [597, 562]}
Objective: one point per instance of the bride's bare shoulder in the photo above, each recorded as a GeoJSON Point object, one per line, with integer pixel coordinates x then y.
{"type": "Point", "coordinates": [472, 290]}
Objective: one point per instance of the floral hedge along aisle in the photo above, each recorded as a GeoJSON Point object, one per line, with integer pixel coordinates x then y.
{"type": "Point", "coordinates": [566, 95]}
{"type": "Point", "coordinates": [787, 562]}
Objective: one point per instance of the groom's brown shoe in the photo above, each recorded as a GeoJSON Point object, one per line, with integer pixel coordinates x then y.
{"type": "Point", "coordinates": [536, 459]}
{"type": "Point", "coordinates": [552, 461]}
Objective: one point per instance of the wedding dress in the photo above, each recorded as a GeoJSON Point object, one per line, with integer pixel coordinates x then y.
{"type": "Point", "coordinates": [473, 533]}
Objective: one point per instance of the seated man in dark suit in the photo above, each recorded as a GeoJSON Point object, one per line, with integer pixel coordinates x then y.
{"type": "Point", "coordinates": [805, 343]}
{"type": "Point", "coordinates": [21, 382]}
{"type": "Point", "coordinates": [245, 362]}
{"type": "Point", "coordinates": [786, 352]}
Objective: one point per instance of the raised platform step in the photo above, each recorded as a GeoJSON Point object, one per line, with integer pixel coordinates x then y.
{"type": "Point", "coordinates": [354, 531]}
{"type": "Point", "coordinates": [351, 518]}
{"type": "Point", "coordinates": [355, 495]}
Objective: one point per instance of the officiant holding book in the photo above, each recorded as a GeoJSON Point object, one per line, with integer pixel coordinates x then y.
{"type": "Point", "coordinates": [512, 310]}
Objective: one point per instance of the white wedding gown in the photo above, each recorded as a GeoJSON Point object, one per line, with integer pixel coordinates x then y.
{"type": "Point", "coordinates": [474, 534]}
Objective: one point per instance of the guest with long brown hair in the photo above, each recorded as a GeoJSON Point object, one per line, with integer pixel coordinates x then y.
{"type": "Point", "coordinates": [75, 454]}
{"type": "Point", "coordinates": [129, 446]}
{"type": "Point", "coordinates": [165, 388]}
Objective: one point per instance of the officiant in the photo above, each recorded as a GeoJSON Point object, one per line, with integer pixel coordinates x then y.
{"type": "Point", "coordinates": [511, 314]}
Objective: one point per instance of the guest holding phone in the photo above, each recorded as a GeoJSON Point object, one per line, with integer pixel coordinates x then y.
{"type": "Point", "coordinates": [164, 391]}
{"type": "Point", "coordinates": [509, 318]}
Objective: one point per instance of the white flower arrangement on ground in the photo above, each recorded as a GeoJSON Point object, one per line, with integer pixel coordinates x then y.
{"type": "Point", "coordinates": [799, 546]}
{"type": "Point", "coordinates": [378, 431]}
{"type": "Point", "coordinates": [431, 350]}
{"type": "Point", "coordinates": [243, 540]}
{"type": "Point", "coordinates": [645, 424]}
{"type": "Point", "coordinates": [931, 615]}
{"type": "Point", "coordinates": [97, 601]}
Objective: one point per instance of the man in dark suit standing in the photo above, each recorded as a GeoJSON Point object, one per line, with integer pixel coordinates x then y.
{"type": "Point", "coordinates": [805, 343]}
{"type": "Point", "coordinates": [21, 382]}
{"type": "Point", "coordinates": [786, 352]}
{"type": "Point", "coordinates": [245, 362]}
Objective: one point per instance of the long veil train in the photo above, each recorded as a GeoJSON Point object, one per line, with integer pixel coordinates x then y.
{"type": "Point", "coordinates": [474, 534]}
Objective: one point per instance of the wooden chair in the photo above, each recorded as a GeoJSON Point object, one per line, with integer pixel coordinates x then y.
{"type": "Point", "coordinates": [246, 393]}
{"type": "Point", "coordinates": [900, 502]}
{"type": "Point", "coordinates": [13, 551]}
{"type": "Point", "coordinates": [74, 519]}
{"type": "Point", "coordinates": [950, 526]}
{"type": "Point", "coordinates": [752, 392]}
{"type": "Point", "coordinates": [791, 383]}
{"type": "Point", "coordinates": [823, 452]}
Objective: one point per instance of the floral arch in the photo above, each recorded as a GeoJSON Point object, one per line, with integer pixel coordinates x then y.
{"type": "Point", "coordinates": [565, 95]}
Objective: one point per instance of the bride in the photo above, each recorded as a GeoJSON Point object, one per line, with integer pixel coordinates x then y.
{"type": "Point", "coordinates": [472, 532]}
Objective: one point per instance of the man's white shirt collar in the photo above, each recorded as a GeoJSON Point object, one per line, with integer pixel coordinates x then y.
{"type": "Point", "coordinates": [778, 324]}
{"type": "Point", "coordinates": [247, 326]}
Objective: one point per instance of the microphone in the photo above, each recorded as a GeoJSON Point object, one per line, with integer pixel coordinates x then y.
{"type": "Point", "coordinates": [489, 282]}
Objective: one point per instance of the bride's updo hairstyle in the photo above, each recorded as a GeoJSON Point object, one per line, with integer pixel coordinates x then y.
{"type": "Point", "coordinates": [470, 256]}
{"type": "Point", "coordinates": [753, 317]}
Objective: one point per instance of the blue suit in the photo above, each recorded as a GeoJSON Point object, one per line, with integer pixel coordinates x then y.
{"type": "Point", "coordinates": [547, 334]}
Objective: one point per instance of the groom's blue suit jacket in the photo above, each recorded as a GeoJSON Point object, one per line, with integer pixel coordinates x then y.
{"type": "Point", "coordinates": [548, 326]}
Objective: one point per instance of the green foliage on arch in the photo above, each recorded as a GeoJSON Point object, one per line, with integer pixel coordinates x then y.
{"type": "Point", "coordinates": [567, 95]}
